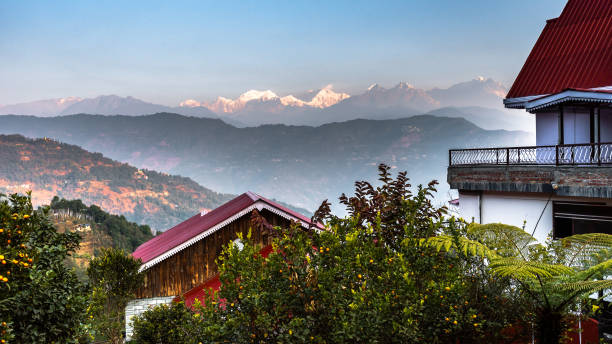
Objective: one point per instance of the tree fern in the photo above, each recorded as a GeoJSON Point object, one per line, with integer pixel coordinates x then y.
{"type": "Point", "coordinates": [587, 287]}
{"type": "Point", "coordinates": [505, 239]}
{"type": "Point", "coordinates": [582, 247]}
{"type": "Point", "coordinates": [596, 271]}
{"type": "Point", "coordinates": [523, 269]}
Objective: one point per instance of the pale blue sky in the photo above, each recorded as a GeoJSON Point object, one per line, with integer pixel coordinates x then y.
{"type": "Point", "coordinates": [168, 51]}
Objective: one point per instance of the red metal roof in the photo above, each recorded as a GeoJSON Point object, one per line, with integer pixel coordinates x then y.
{"type": "Point", "coordinates": [573, 51]}
{"type": "Point", "coordinates": [199, 224]}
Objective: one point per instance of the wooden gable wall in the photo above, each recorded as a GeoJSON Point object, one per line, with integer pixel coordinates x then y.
{"type": "Point", "coordinates": [195, 264]}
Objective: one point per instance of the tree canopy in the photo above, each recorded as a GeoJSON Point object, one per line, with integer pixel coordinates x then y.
{"type": "Point", "coordinates": [41, 301]}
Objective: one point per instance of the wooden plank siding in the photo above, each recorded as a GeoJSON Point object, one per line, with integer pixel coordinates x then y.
{"type": "Point", "coordinates": [195, 264]}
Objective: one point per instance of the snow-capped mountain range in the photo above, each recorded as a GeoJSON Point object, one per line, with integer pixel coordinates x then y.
{"type": "Point", "coordinates": [313, 107]}
{"type": "Point", "coordinates": [323, 98]}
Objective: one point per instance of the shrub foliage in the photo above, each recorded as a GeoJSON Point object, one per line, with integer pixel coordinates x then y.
{"type": "Point", "coordinates": [41, 301]}
{"type": "Point", "coordinates": [114, 278]}
{"type": "Point", "coordinates": [372, 277]}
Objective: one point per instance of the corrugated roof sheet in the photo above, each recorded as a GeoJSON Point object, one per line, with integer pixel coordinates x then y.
{"type": "Point", "coordinates": [573, 51]}
{"type": "Point", "coordinates": [199, 224]}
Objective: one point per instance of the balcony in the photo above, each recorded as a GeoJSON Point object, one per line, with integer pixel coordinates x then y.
{"type": "Point", "coordinates": [588, 154]}
{"type": "Point", "coordinates": [573, 170]}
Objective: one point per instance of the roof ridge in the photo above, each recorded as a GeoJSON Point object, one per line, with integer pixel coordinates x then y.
{"type": "Point", "coordinates": [253, 196]}
{"type": "Point", "coordinates": [200, 226]}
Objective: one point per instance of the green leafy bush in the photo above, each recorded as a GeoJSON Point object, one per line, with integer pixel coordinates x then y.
{"type": "Point", "coordinates": [374, 277]}
{"type": "Point", "coordinates": [114, 278]}
{"type": "Point", "coordinates": [163, 324]}
{"type": "Point", "coordinates": [41, 301]}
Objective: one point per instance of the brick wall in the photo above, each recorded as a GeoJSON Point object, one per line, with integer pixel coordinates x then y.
{"type": "Point", "coordinates": [138, 306]}
{"type": "Point", "coordinates": [571, 181]}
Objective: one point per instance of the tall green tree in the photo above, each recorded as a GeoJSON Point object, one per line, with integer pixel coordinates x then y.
{"type": "Point", "coordinates": [41, 301]}
{"type": "Point", "coordinates": [114, 278]}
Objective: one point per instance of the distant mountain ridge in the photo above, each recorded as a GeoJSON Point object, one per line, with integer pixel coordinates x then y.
{"type": "Point", "coordinates": [325, 106]}
{"type": "Point", "coordinates": [314, 107]}
{"type": "Point", "coordinates": [40, 107]}
{"type": "Point", "coordinates": [477, 92]}
{"type": "Point", "coordinates": [101, 105]}
{"type": "Point", "coordinates": [300, 165]}
{"type": "Point", "coordinates": [478, 101]}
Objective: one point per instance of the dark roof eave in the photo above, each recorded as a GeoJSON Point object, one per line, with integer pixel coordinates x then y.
{"type": "Point", "coordinates": [533, 103]}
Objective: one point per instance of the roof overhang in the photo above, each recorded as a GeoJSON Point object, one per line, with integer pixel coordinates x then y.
{"type": "Point", "coordinates": [534, 103]}
{"type": "Point", "coordinates": [519, 102]}
{"type": "Point", "coordinates": [259, 205]}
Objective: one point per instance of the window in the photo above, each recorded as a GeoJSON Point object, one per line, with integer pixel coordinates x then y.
{"type": "Point", "coordinates": [571, 218]}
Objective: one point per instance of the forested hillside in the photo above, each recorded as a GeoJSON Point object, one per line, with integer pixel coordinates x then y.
{"type": "Point", "coordinates": [50, 168]}
{"type": "Point", "coordinates": [122, 233]}
{"type": "Point", "coordinates": [97, 228]}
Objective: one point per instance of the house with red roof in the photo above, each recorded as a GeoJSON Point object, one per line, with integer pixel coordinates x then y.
{"type": "Point", "coordinates": [180, 263]}
{"type": "Point", "coordinates": [563, 185]}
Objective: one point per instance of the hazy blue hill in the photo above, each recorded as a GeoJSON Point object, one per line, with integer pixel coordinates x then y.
{"type": "Point", "coordinates": [300, 165]}
{"type": "Point", "coordinates": [488, 118]}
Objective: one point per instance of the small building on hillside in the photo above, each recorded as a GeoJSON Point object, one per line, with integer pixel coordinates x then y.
{"type": "Point", "coordinates": [180, 262]}
{"type": "Point", "coordinates": [564, 183]}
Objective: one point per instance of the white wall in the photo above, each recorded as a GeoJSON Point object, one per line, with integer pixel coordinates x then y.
{"type": "Point", "coordinates": [137, 307]}
{"type": "Point", "coordinates": [547, 128]}
{"type": "Point", "coordinates": [469, 205]}
{"type": "Point", "coordinates": [516, 209]}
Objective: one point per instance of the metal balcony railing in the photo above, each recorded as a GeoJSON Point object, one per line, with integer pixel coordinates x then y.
{"type": "Point", "coordinates": [559, 155]}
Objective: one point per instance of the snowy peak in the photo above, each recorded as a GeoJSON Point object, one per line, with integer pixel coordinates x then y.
{"type": "Point", "coordinates": [292, 101]}
{"type": "Point", "coordinates": [404, 86]}
{"type": "Point", "coordinates": [480, 90]}
{"type": "Point", "coordinates": [256, 95]}
{"type": "Point", "coordinates": [226, 105]}
{"type": "Point", "coordinates": [190, 103]}
{"type": "Point", "coordinates": [221, 105]}
{"type": "Point", "coordinates": [493, 87]}
{"type": "Point", "coordinates": [400, 96]}
{"type": "Point", "coordinates": [67, 101]}
{"type": "Point", "coordinates": [325, 97]}
{"type": "Point", "coordinates": [375, 88]}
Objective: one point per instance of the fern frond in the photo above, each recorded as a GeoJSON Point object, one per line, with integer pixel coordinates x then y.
{"type": "Point", "coordinates": [587, 287]}
{"type": "Point", "coordinates": [582, 246]}
{"type": "Point", "coordinates": [466, 246]}
{"type": "Point", "coordinates": [524, 269]}
{"type": "Point", "coordinates": [601, 269]}
{"type": "Point", "coordinates": [594, 239]}
{"type": "Point", "coordinates": [508, 240]}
